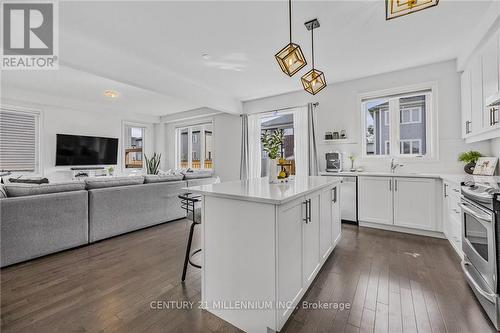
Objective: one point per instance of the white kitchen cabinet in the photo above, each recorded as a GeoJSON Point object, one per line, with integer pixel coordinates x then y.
{"type": "Point", "coordinates": [490, 77]}
{"type": "Point", "coordinates": [290, 222]}
{"type": "Point", "coordinates": [466, 105]}
{"type": "Point", "coordinates": [415, 203]}
{"type": "Point", "coordinates": [257, 246]}
{"type": "Point", "coordinates": [336, 214]}
{"type": "Point", "coordinates": [452, 216]}
{"type": "Point", "coordinates": [326, 225]}
{"type": "Point", "coordinates": [375, 199]}
{"type": "Point", "coordinates": [477, 98]}
{"type": "Point", "coordinates": [329, 231]}
{"type": "Point", "coordinates": [490, 67]}
{"type": "Point", "coordinates": [407, 202]}
{"type": "Point", "coordinates": [480, 85]}
{"type": "Point", "coordinates": [310, 256]}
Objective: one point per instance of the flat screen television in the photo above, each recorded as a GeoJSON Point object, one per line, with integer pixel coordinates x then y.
{"type": "Point", "coordinates": [85, 150]}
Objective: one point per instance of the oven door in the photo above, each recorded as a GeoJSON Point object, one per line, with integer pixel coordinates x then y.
{"type": "Point", "coordinates": [478, 240]}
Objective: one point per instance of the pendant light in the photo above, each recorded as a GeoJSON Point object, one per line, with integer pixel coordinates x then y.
{"type": "Point", "coordinates": [314, 80]}
{"type": "Point", "coordinates": [290, 58]}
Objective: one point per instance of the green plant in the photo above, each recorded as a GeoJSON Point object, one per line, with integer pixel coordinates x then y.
{"type": "Point", "coordinates": [271, 143]}
{"type": "Point", "coordinates": [469, 156]}
{"type": "Point", "coordinates": [352, 157]}
{"type": "Point", "coordinates": [153, 163]}
{"type": "Point", "coordinates": [111, 169]}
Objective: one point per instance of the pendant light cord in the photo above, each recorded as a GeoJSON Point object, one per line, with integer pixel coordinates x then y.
{"type": "Point", "coordinates": [312, 46]}
{"type": "Point", "coordinates": [290, 18]}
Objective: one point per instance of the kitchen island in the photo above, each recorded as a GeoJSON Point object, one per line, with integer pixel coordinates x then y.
{"type": "Point", "coordinates": [263, 245]}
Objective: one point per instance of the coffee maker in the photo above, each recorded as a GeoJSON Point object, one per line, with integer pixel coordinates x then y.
{"type": "Point", "coordinates": [333, 161]}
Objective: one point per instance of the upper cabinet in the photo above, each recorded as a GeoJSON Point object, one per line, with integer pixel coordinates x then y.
{"type": "Point", "coordinates": [480, 82]}
{"type": "Point", "coordinates": [466, 102]}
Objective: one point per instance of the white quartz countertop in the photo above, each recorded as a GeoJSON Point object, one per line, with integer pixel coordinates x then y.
{"type": "Point", "coordinates": [259, 189]}
{"type": "Point", "coordinates": [453, 178]}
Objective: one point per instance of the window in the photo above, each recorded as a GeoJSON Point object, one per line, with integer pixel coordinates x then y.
{"type": "Point", "coordinates": [284, 122]}
{"type": "Point", "coordinates": [194, 147]}
{"type": "Point", "coordinates": [411, 147]}
{"type": "Point", "coordinates": [398, 124]}
{"type": "Point", "coordinates": [19, 140]}
{"type": "Point", "coordinates": [411, 115]}
{"type": "Point", "coordinates": [133, 146]}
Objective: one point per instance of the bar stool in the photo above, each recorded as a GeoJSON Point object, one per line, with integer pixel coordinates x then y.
{"type": "Point", "coordinates": [193, 213]}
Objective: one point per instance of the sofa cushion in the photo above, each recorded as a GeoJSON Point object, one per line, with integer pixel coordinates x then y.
{"type": "Point", "coordinates": [104, 182]}
{"type": "Point", "coordinates": [159, 179]}
{"type": "Point", "coordinates": [21, 190]}
{"type": "Point", "coordinates": [198, 174]}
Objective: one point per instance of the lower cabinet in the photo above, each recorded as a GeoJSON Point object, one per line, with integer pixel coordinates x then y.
{"type": "Point", "coordinates": [415, 203]}
{"type": "Point", "coordinates": [311, 237]}
{"type": "Point", "coordinates": [375, 200]}
{"type": "Point", "coordinates": [308, 229]}
{"type": "Point", "coordinates": [452, 216]}
{"type": "Point", "coordinates": [400, 201]}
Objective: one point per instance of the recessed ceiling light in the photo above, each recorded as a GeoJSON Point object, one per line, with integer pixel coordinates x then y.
{"type": "Point", "coordinates": [111, 93]}
{"type": "Point", "coordinates": [205, 56]}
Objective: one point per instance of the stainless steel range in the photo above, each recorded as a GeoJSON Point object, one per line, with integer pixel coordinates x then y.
{"type": "Point", "coordinates": [480, 205]}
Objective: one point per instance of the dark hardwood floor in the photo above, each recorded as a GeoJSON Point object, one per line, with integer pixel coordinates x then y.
{"type": "Point", "coordinates": [394, 283]}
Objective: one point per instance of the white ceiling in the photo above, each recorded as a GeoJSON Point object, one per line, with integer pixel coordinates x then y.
{"type": "Point", "coordinates": [151, 52]}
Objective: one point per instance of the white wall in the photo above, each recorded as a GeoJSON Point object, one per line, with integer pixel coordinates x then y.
{"type": "Point", "coordinates": [338, 109]}
{"type": "Point", "coordinates": [55, 120]}
{"type": "Point", "coordinates": [227, 144]}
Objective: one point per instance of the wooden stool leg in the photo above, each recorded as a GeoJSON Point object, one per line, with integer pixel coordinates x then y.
{"type": "Point", "coordinates": [188, 251]}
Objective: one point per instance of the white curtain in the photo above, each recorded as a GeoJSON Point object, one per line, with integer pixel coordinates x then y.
{"type": "Point", "coordinates": [300, 131]}
{"type": "Point", "coordinates": [254, 152]}
{"type": "Point", "coordinates": [313, 168]}
{"type": "Point", "coordinates": [244, 163]}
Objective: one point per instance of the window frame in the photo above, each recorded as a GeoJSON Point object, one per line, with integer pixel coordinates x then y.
{"type": "Point", "coordinates": [412, 121]}
{"type": "Point", "coordinates": [39, 151]}
{"type": "Point", "coordinates": [431, 121]}
{"type": "Point", "coordinates": [126, 124]}
{"type": "Point", "coordinates": [201, 138]}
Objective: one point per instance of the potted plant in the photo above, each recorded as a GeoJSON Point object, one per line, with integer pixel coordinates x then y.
{"type": "Point", "coordinates": [469, 158]}
{"type": "Point", "coordinates": [271, 143]}
{"type": "Point", "coordinates": [153, 164]}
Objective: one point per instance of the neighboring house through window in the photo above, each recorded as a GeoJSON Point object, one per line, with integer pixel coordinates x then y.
{"type": "Point", "coordinates": [194, 146]}
{"type": "Point", "coordinates": [19, 140]}
{"type": "Point", "coordinates": [398, 123]}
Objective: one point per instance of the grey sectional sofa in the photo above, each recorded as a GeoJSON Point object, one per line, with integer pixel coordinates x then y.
{"type": "Point", "coordinates": [36, 220]}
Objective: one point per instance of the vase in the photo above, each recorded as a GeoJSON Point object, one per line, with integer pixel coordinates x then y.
{"type": "Point", "coordinates": [272, 167]}
{"type": "Point", "coordinates": [469, 167]}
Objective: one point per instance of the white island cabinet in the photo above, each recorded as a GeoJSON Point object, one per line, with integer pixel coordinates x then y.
{"type": "Point", "coordinates": [263, 244]}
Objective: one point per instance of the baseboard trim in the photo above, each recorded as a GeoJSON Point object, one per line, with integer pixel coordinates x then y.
{"type": "Point", "coordinates": [435, 234]}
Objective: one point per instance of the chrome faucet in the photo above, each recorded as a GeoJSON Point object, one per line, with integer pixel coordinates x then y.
{"type": "Point", "coordinates": [394, 165]}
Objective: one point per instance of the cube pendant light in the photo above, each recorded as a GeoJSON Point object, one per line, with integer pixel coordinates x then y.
{"type": "Point", "coordinates": [314, 80]}
{"type": "Point", "coordinates": [290, 58]}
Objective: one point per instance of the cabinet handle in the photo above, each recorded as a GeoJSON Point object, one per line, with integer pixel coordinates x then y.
{"type": "Point", "coordinates": [390, 185]}
{"type": "Point", "coordinates": [306, 220]}
{"type": "Point", "coordinates": [395, 184]}
{"type": "Point", "coordinates": [494, 111]}
{"type": "Point", "coordinates": [467, 127]}
{"type": "Point", "coordinates": [455, 190]}
{"type": "Point", "coordinates": [334, 190]}
{"type": "Point", "coordinates": [309, 217]}
{"type": "Point", "coordinates": [445, 193]}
